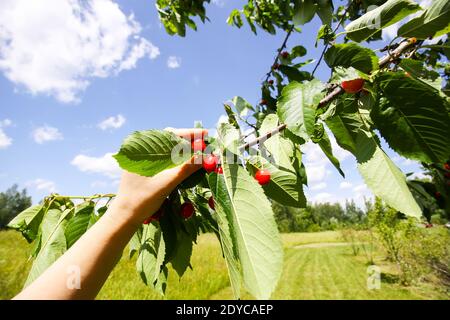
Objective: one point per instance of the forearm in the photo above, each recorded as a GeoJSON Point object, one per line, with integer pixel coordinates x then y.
{"type": "Point", "coordinates": [95, 254]}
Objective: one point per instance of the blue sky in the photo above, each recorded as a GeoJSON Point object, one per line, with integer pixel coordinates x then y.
{"type": "Point", "coordinates": [66, 102]}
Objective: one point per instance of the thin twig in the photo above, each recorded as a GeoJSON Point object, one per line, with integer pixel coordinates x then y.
{"type": "Point", "coordinates": [406, 44]}
{"type": "Point", "coordinates": [341, 20]}
{"type": "Point", "coordinates": [283, 45]}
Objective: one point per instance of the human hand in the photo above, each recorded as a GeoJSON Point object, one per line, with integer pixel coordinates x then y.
{"type": "Point", "coordinates": [140, 197]}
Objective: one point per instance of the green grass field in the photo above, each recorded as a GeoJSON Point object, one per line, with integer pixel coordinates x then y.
{"type": "Point", "coordinates": [320, 271]}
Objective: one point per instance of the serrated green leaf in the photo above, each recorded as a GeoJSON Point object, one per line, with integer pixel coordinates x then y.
{"type": "Point", "coordinates": [223, 214]}
{"type": "Point", "coordinates": [253, 225]}
{"type": "Point", "coordinates": [229, 138]}
{"type": "Point", "coordinates": [149, 263]}
{"type": "Point", "coordinates": [293, 74]}
{"type": "Point", "coordinates": [28, 221]}
{"type": "Point", "coordinates": [135, 242]}
{"type": "Point", "coordinates": [280, 148]}
{"type": "Point", "coordinates": [150, 152]}
{"type": "Point", "coordinates": [379, 18]}
{"type": "Point", "coordinates": [297, 106]}
{"type": "Point", "coordinates": [414, 119]}
{"type": "Point", "coordinates": [325, 11]}
{"type": "Point", "coordinates": [183, 251]}
{"type": "Point", "coordinates": [285, 187]}
{"type": "Point", "coordinates": [304, 11]}
{"type": "Point", "coordinates": [78, 224]}
{"type": "Point", "coordinates": [433, 22]}
{"type": "Point", "coordinates": [380, 174]}
{"type": "Point", "coordinates": [416, 69]}
{"type": "Point", "coordinates": [297, 51]}
{"type": "Point", "coordinates": [351, 55]}
{"type": "Point", "coordinates": [325, 144]}
{"type": "Point", "coordinates": [242, 106]}
{"type": "Point", "coordinates": [52, 242]}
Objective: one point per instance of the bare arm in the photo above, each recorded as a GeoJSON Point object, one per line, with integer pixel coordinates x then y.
{"type": "Point", "coordinates": [96, 253]}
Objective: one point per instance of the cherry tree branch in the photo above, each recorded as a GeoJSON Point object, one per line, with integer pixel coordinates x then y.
{"type": "Point", "coordinates": [283, 45]}
{"type": "Point", "coordinates": [393, 55]}
{"type": "Point", "coordinates": [341, 20]}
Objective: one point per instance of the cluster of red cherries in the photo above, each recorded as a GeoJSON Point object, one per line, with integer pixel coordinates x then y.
{"type": "Point", "coordinates": [210, 164]}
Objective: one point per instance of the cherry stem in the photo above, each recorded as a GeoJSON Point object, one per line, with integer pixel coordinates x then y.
{"type": "Point", "coordinates": [393, 55]}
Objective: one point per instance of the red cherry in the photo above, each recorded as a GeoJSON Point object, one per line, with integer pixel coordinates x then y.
{"type": "Point", "coordinates": [155, 217]}
{"type": "Point", "coordinates": [219, 170]}
{"type": "Point", "coordinates": [211, 203]}
{"type": "Point", "coordinates": [285, 54]}
{"type": "Point", "coordinates": [210, 163]}
{"type": "Point", "coordinates": [275, 66]}
{"type": "Point", "coordinates": [187, 210]}
{"type": "Point", "coordinates": [271, 82]}
{"type": "Point", "coordinates": [198, 145]}
{"type": "Point", "coordinates": [263, 102]}
{"type": "Point", "coordinates": [437, 195]}
{"type": "Point", "coordinates": [447, 166]}
{"type": "Point", "coordinates": [447, 175]}
{"type": "Point", "coordinates": [262, 176]}
{"type": "Point", "coordinates": [352, 86]}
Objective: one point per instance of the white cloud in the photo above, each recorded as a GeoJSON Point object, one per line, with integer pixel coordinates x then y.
{"type": "Point", "coordinates": [113, 122]}
{"type": "Point", "coordinates": [219, 3]}
{"type": "Point", "coordinates": [46, 133]}
{"type": "Point", "coordinates": [345, 185]}
{"type": "Point", "coordinates": [105, 165]}
{"type": "Point", "coordinates": [56, 47]}
{"type": "Point", "coordinates": [5, 123]}
{"type": "Point", "coordinates": [360, 188]}
{"type": "Point", "coordinates": [319, 186]}
{"type": "Point", "coordinates": [5, 141]}
{"type": "Point", "coordinates": [173, 62]}
{"type": "Point", "coordinates": [323, 197]}
{"type": "Point", "coordinates": [316, 173]}
{"type": "Point", "coordinates": [42, 185]}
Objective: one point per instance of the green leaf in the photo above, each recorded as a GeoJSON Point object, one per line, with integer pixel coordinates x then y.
{"type": "Point", "coordinates": [135, 242]}
{"type": "Point", "coordinates": [351, 55]}
{"type": "Point", "coordinates": [253, 226]}
{"type": "Point", "coordinates": [28, 221]}
{"type": "Point", "coordinates": [280, 148]}
{"type": "Point", "coordinates": [79, 222]}
{"type": "Point", "coordinates": [53, 242]}
{"type": "Point", "coordinates": [380, 174]}
{"type": "Point", "coordinates": [183, 251]}
{"type": "Point", "coordinates": [414, 120]}
{"type": "Point", "coordinates": [297, 51]}
{"type": "Point", "coordinates": [325, 145]}
{"type": "Point", "coordinates": [224, 216]}
{"type": "Point", "coordinates": [304, 11]}
{"type": "Point", "coordinates": [383, 16]}
{"type": "Point", "coordinates": [433, 22]}
{"type": "Point", "coordinates": [325, 11]}
{"type": "Point", "coordinates": [150, 152]}
{"type": "Point", "coordinates": [420, 72]}
{"type": "Point", "coordinates": [229, 137]}
{"type": "Point", "coordinates": [149, 263]}
{"type": "Point", "coordinates": [297, 106]}
{"type": "Point", "coordinates": [345, 74]}
{"type": "Point", "coordinates": [242, 106]}
{"type": "Point", "coordinates": [294, 74]}
{"type": "Point", "coordinates": [285, 187]}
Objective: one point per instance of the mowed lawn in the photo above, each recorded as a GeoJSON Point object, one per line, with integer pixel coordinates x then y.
{"type": "Point", "coordinates": [325, 271]}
